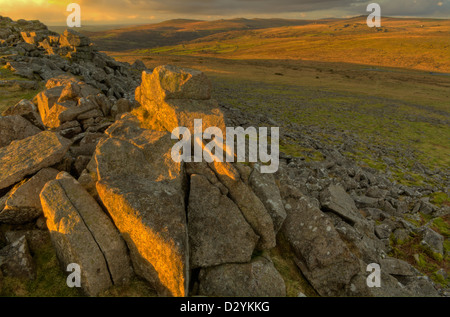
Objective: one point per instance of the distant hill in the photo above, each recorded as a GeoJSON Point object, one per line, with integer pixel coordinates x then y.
{"type": "Point", "coordinates": [411, 43]}
{"type": "Point", "coordinates": [178, 31]}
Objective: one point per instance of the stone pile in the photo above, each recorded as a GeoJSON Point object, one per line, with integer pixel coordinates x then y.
{"type": "Point", "coordinates": [34, 52]}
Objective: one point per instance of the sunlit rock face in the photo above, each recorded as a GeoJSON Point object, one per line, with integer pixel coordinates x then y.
{"type": "Point", "coordinates": [143, 191]}
{"type": "Point", "coordinates": [174, 96]}
{"type": "Point", "coordinates": [83, 234]}
{"type": "Point", "coordinates": [28, 156]}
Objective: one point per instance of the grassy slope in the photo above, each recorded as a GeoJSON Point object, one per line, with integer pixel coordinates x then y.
{"type": "Point", "coordinates": [9, 96]}
{"type": "Point", "coordinates": [388, 86]}
{"type": "Point", "coordinates": [177, 31]}
{"type": "Point", "coordinates": [399, 43]}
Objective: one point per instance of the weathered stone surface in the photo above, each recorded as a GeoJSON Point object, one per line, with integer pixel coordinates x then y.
{"type": "Point", "coordinates": [23, 203]}
{"type": "Point", "coordinates": [322, 256]}
{"type": "Point", "coordinates": [21, 69]}
{"type": "Point", "coordinates": [72, 113]}
{"type": "Point", "coordinates": [69, 129]}
{"type": "Point", "coordinates": [218, 233]}
{"type": "Point", "coordinates": [102, 229]}
{"type": "Point", "coordinates": [83, 234]}
{"type": "Point", "coordinates": [142, 188]}
{"type": "Point", "coordinates": [421, 287]}
{"type": "Point", "coordinates": [71, 91]}
{"type": "Point", "coordinates": [27, 110]}
{"type": "Point", "coordinates": [366, 202]}
{"type": "Point", "coordinates": [27, 156]}
{"type": "Point", "coordinates": [384, 230]}
{"type": "Point", "coordinates": [259, 278]}
{"type": "Point", "coordinates": [48, 107]}
{"type": "Point", "coordinates": [151, 217]}
{"type": "Point", "coordinates": [104, 103]}
{"type": "Point", "coordinates": [16, 261]}
{"type": "Point", "coordinates": [132, 150]}
{"type": "Point", "coordinates": [72, 240]}
{"type": "Point", "coordinates": [121, 106]}
{"type": "Point", "coordinates": [172, 82]}
{"type": "Point", "coordinates": [251, 207]}
{"type": "Point", "coordinates": [202, 168]}
{"type": "Point", "coordinates": [15, 128]}
{"type": "Point", "coordinates": [395, 266]}
{"type": "Point", "coordinates": [61, 80]}
{"type": "Point", "coordinates": [94, 113]}
{"type": "Point", "coordinates": [73, 38]}
{"type": "Point", "coordinates": [174, 97]}
{"type": "Point", "coordinates": [335, 199]}
{"type": "Point", "coordinates": [266, 189]}
{"type": "Point", "coordinates": [432, 240]}
{"type": "Point", "coordinates": [36, 239]}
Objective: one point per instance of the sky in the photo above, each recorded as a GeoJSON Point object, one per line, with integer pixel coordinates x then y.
{"type": "Point", "coordinates": [53, 12]}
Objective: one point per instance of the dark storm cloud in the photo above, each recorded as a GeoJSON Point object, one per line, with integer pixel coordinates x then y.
{"type": "Point", "coordinates": [275, 7]}
{"type": "Point", "coordinates": [223, 7]}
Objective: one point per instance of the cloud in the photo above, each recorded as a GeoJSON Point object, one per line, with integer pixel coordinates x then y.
{"type": "Point", "coordinates": [140, 11]}
{"type": "Point", "coordinates": [252, 7]}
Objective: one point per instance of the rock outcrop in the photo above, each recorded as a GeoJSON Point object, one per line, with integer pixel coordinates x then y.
{"type": "Point", "coordinates": [88, 164]}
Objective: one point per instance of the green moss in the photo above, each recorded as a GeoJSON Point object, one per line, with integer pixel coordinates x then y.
{"type": "Point", "coordinates": [441, 226]}
{"type": "Point", "coordinates": [299, 151]}
{"type": "Point", "coordinates": [425, 264]}
{"type": "Point", "coordinates": [415, 222]}
{"type": "Point", "coordinates": [136, 288]}
{"type": "Point", "coordinates": [440, 199]}
{"type": "Point", "coordinates": [283, 260]}
{"type": "Point", "coordinates": [447, 246]}
{"type": "Point", "coordinates": [423, 259]}
{"type": "Point", "coordinates": [6, 74]}
{"type": "Point", "coordinates": [50, 280]}
{"type": "Point", "coordinates": [438, 278]}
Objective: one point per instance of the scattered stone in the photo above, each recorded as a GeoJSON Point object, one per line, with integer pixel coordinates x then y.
{"type": "Point", "coordinates": [16, 261]}
{"type": "Point", "coordinates": [335, 199]}
{"type": "Point", "coordinates": [432, 240]}
{"type": "Point", "coordinates": [319, 252]}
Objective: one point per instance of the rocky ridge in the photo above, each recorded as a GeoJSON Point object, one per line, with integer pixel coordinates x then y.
{"type": "Point", "coordinates": [88, 163]}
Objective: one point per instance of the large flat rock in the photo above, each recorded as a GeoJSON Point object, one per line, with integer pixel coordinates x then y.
{"type": "Point", "coordinates": [143, 190]}
{"type": "Point", "coordinates": [28, 156]}
{"type": "Point", "coordinates": [258, 278]}
{"type": "Point", "coordinates": [218, 233]}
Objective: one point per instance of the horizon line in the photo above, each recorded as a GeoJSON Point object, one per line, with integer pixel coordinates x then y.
{"type": "Point", "coordinates": [90, 23]}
